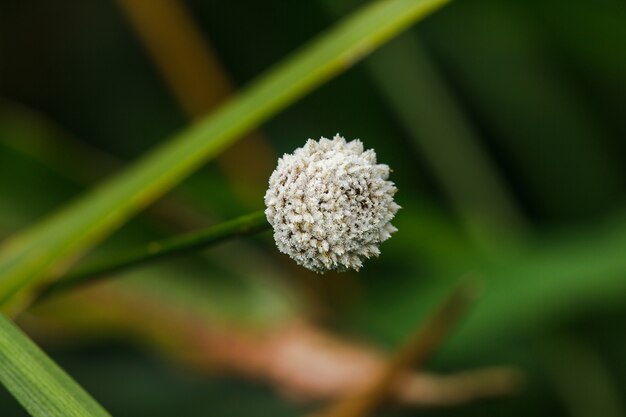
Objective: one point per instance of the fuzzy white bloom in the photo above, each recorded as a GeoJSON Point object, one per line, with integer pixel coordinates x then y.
{"type": "Point", "coordinates": [330, 204]}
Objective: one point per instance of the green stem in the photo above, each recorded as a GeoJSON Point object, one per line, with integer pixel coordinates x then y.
{"type": "Point", "coordinates": [245, 225]}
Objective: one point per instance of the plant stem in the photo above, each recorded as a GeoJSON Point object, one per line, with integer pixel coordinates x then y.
{"type": "Point", "coordinates": [420, 346]}
{"type": "Point", "coordinates": [191, 69]}
{"type": "Point", "coordinates": [177, 245]}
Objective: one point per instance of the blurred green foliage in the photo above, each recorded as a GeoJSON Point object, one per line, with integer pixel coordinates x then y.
{"type": "Point", "coordinates": [502, 120]}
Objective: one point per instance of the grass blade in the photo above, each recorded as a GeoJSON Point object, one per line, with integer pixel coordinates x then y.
{"type": "Point", "coordinates": [43, 252]}
{"type": "Point", "coordinates": [411, 84]}
{"type": "Point", "coordinates": [43, 388]}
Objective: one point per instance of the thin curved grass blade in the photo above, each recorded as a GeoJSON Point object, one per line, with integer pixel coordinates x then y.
{"type": "Point", "coordinates": [40, 254]}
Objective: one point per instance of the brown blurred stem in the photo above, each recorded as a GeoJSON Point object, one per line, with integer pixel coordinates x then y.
{"type": "Point", "coordinates": [192, 71]}
{"type": "Point", "coordinates": [424, 342]}
{"type": "Point", "coordinates": [194, 241]}
{"type": "Point", "coordinates": [292, 354]}
{"type": "Point", "coordinates": [184, 59]}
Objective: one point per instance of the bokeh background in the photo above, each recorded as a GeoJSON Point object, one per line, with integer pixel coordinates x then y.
{"type": "Point", "coordinates": [504, 124]}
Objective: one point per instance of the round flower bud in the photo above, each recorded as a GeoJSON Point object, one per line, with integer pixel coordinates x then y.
{"type": "Point", "coordinates": [330, 204]}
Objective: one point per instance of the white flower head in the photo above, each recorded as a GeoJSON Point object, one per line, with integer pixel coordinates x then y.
{"type": "Point", "coordinates": [330, 204]}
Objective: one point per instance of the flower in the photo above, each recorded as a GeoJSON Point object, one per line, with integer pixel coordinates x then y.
{"type": "Point", "coordinates": [330, 204]}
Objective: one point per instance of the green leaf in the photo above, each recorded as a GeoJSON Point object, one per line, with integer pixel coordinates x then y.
{"type": "Point", "coordinates": [44, 251]}
{"type": "Point", "coordinates": [37, 382]}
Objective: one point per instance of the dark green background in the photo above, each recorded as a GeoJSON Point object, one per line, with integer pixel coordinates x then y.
{"type": "Point", "coordinates": [541, 86]}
